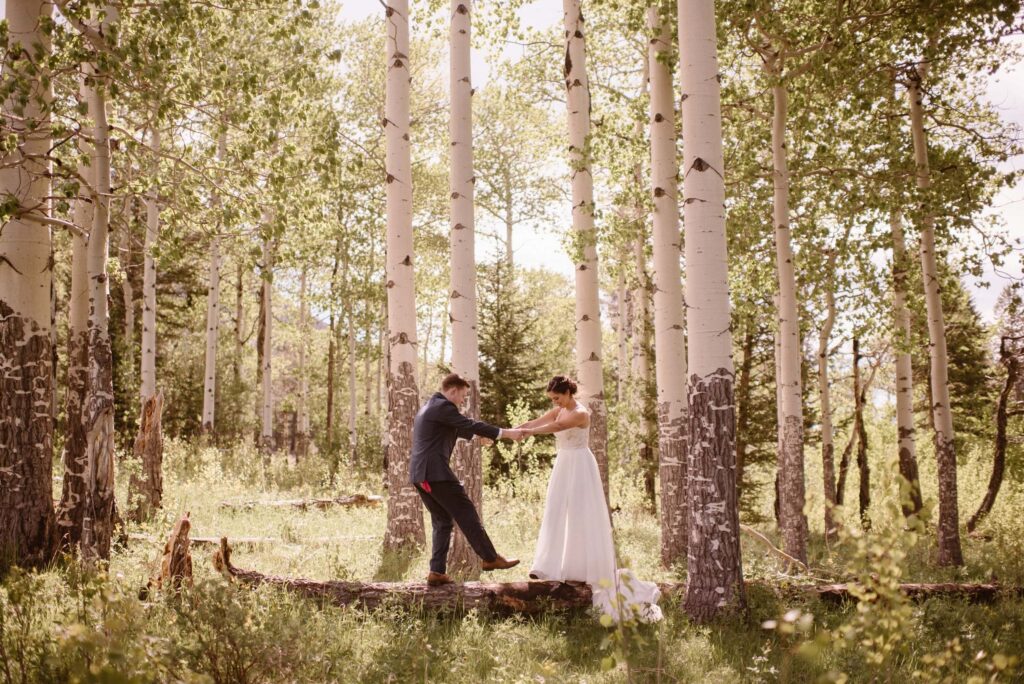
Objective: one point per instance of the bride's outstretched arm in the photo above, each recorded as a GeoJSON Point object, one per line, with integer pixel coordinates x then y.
{"type": "Point", "coordinates": [571, 421]}
{"type": "Point", "coordinates": [541, 420]}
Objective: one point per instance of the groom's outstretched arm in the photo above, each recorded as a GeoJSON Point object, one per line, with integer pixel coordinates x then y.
{"type": "Point", "coordinates": [467, 427]}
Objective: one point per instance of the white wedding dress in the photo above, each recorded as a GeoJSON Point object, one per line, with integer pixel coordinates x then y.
{"type": "Point", "coordinates": [575, 542]}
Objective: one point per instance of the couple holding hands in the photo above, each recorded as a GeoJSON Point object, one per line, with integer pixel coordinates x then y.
{"type": "Point", "coordinates": [575, 541]}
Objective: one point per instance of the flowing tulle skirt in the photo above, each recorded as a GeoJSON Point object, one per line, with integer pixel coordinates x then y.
{"type": "Point", "coordinates": [575, 541]}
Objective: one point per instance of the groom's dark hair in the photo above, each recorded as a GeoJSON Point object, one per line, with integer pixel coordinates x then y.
{"type": "Point", "coordinates": [453, 380]}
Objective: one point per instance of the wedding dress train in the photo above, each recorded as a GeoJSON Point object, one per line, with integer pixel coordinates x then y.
{"type": "Point", "coordinates": [575, 541]}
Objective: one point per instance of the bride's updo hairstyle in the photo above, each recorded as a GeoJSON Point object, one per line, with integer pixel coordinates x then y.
{"type": "Point", "coordinates": [561, 384]}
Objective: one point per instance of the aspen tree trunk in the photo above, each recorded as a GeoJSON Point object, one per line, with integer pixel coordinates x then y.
{"type": "Point", "coordinates": [911, 502]}
{"type": "Point", "coordinates": [669, 336]}
{"type": "Point", "coordinates": [792, 521]}
{"type": "Point", "coordinates": [145, 489]}
{"type": "Point", "coordinates": [588, 310]}
{"type": "Point", "coordinates": [864, 472]}
{"type": "Point", "coordinates": [239, 324]}
{"type": "Point", "coordinates": [405, 515]}
{"type": "Point", "coordinates": [124, 256]}
{"type": "Point", "coordinates": [621, 370]}
{"type": "Point", "coordinates": [463, 314]}
{"type": "Point", "coordinates": [28, 529]}
{"type": "Point", "coordinates": [643, 387]}
{"type": "Point", "coordinates": [332, 346]}
{"type": "Point", "coordinates": [72, 499]}
{"type": "Point", "coordinates": [213, 316]}
{"type": "Point", "coordinates": [100, 514]}
{"type": "Point", "coordinates": [714, 568]}
{"type": "Point", "coordinates": [352, 402]}
{"type": "Point", "coordinates": [148, 361]}
{"type": "Point", "coordinates": [743, 401]}
{"type": "Point", "coordinates": [828, 468]}
{"type": "Point", "coordinates": [266, 378]}
{"type": "Point", "coordinates": [942, 416]}
{"type": "Point", "coordinates": [302, 439]}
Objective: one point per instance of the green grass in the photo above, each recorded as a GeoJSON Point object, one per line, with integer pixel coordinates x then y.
{"type": "Point", "coordinates": [62, 626]}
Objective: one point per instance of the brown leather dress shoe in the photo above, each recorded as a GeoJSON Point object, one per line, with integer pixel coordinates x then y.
{"type": "Point", "coordinates": [437, 579]}
{"type": "Point", "coordinates": [499, 563]}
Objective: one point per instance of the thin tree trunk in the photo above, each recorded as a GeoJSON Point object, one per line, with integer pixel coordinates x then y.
{"type": "Point", "coordinates": [100, 514]}
{"type": "Point", "coordinates": [825, 399]}
{"type": "Point", "coordinates": [27, 521]}
{"type": "Point", "coordinates": [72, 499]}
{"type": "Point", "coordinates": [743, 401]}
{"type": "Point", "coordinates": [239, 324]}
{"type": "Point", "coordinates": [1012, 362]}
{"type": "Point", "coordinates": [714, 568]}
{"type": "Point", "coordinates": [266, 379]}
{"type": "Point", "coordinates": [124, 257]}
{"type": "Point", "coordinates": [213, 316]}
{"type": "Point", "coordinates": [302, 419]}
{"type": "Point", "coordinates": [332, 345]}
{"type": "Point", "coordinates": [261, 322]}
{"type": "Point", "coordinates": [859, 394]}
{"type": "Point", "coordinates": [352, 403]}
{"type": "Point", "coordinates": [148, 361]}
{"type": "Point", "coordinates": [621, 371]}
{"type": "Point", "coordinates": [942, 415]}
{"type": "Point", "coordinates": [588, 309]}
{"type": "Point", "coordinates": [669, 321]}
{"type": "Point", "coordinates": [463, 312]}
{"type": "Point", "coordinates": [405, 515]}
{"type": "Point", "coordinates": [911, 500]}
{"type": "Point", "coordinates": [792, 521]}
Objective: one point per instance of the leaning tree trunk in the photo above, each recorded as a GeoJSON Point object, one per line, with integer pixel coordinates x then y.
{"type": "Point", "coordinates": [465, 344]}
{"type": "Point", "coordinates": [792, 521]}
{"type": "Point", "coordinates": [72, 498]}
{"type": "Point", "coordinates": [588, 306]}
{"type": "Point", "coordinates": [405, 515]}
{"type": "Point", "coordinates": [1011, 360]}
{"type": "Point", "coordinates": [714, 569]}
{"type": "Point", "coordinates": [212, 314]}
{"type": "Point", "coordinates": [942, 415]}
{"type": "Point", "coordinates": [99, 517]}
{"type": "Point", "coordinates": [266, 378]}
{"type": "Point", "coordinates": [910, 501]}
{"type": "Point", "coordinates": [27, 521]}
{"type": "Point", "coordinates": [669, 337]}
{"type": "Point", "coordinates": [828, 467]}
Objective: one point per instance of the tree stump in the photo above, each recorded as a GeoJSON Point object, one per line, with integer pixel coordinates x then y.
{"type": "Point", "coordinates": [176, 561]}
{"type": "Point", "coordinates": [145, 488]}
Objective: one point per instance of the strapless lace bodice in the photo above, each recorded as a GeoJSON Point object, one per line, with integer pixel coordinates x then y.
{"type": "Point", "coordinates": [573, 438]}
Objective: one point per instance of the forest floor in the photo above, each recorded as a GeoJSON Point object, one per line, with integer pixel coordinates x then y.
{"type": "Point", "coordinates": [61, 625]}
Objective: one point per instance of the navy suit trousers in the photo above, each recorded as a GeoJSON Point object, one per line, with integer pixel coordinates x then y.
{"type": "Point", "coordinates": [448, 503]}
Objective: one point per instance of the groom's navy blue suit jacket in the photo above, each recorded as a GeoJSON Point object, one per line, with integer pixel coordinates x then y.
{"type": "Point", "coordinates": [437, 427]}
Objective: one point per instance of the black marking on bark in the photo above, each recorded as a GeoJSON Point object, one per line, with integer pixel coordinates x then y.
{"type": "Point", "coordinates": [407, 261]}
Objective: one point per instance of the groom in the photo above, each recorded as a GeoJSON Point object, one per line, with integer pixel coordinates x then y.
{"type": "Point", "coordinates": [436, 428]}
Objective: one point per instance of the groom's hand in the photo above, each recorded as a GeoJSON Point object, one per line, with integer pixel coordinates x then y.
{"type": "Point", "coordinates": [514, 435]}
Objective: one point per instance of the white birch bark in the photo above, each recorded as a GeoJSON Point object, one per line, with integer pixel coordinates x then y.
{"type": "Point", "coordinates": [714, 571]}
{"type": "Point", "coordinates": [588, 310]}
{"type": "Point", "coordinates": [669, 334]}
{"type": "Point", "coordinates": [792, 521]}
{"type": "Point", "coordinates": [825, 399]}
{"type": "Point", "coordinates": [404, 515]}
{"type": "Point", "coordinates": [463, 313]}
{"type": "Point", "coordinates": [27, 520]}
{"type": "Point", "coordinates": [942, 416]}
{"type": "Point", "coordinates": [213, 312]}
{"type": "Point", "coordinates": [124, 256]}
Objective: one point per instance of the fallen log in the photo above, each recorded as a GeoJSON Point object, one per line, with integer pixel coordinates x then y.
{"type": "Point", "coordinates": [534, 598]}
{"type": "Point", "coordinates": [353, 500]}
{"type": "Point", "coordinates": [260, 541]}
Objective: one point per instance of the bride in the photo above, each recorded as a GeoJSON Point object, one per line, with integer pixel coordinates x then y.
{"type": "Point", "coordinates": [575, 542]}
